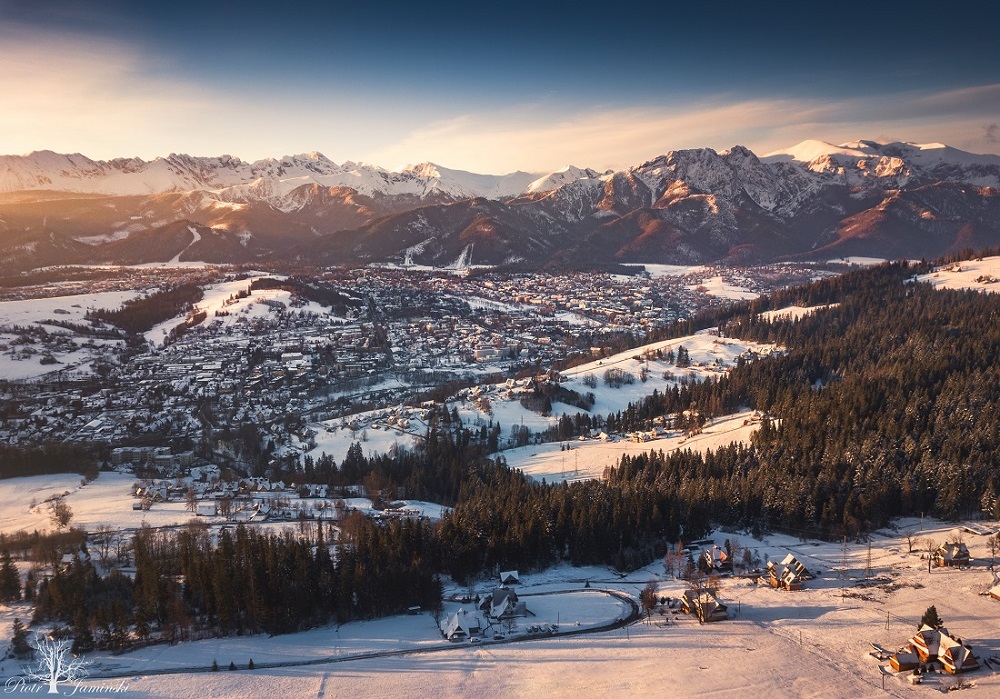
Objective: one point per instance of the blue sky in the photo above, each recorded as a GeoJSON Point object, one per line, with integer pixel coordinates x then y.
{"type": "Point", "coordinates": [491, 87]}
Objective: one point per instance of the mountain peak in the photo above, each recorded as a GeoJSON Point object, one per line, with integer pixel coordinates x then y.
{"type": "Point", "coordinates": [562, 176]}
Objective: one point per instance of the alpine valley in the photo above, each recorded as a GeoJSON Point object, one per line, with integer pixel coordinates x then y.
{"type": "Point", "coordinates": [813, 201]}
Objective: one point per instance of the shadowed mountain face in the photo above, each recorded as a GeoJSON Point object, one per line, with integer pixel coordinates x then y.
{"type": "Point", "coordinates": [812, 201]}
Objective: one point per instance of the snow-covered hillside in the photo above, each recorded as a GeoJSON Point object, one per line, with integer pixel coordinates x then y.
{"type": "Point", "coordinates": [981, 275]}
{"type": "Point", "coordinates": [563, 176]}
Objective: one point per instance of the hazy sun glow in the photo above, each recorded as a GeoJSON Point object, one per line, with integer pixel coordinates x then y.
{"type": "Point", "coordinates": [68, 89]}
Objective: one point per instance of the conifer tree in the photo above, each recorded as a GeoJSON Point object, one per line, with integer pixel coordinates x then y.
{"type": "Point", "coordinates": [10, 581]}
{"type": "Point", "coordinates": [19, 643]}
{"type": "Point", "coordinates": [931, 618]}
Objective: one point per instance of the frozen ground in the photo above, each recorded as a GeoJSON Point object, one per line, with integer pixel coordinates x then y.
{"type": "Point", "coordinates": [16, 366]}
{"type": "Point", "coordinates": [794, 312]}
{"type": "Point", "coordinates": [812, 643]}
{"type": "Point", "coordinates": [718, 286]}
{"type": "Point", "coordinates": [981, 275]}
{"type": "Point", "coordinates": [222, 298]}
{"type": "Point", "coordinates": [588, 459]}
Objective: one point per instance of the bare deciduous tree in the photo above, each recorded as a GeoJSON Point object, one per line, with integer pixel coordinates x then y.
{"type": "Point", "coordinates": [56, 663]}
{"type": "Point", "coordinates": [647, 598]}
{"type": "Point", "coordinates": [103, 538]}
{"type": "Point", "coordinates": [993, 544]}
{"type": "Point", "coordinates": [60, 513]}
{"type": "Point", "coordinates": [930, 546]}
{"type": "Point", "coordinates": [191, 499]}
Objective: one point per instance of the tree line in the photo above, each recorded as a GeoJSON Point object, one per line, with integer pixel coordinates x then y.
{"type": "Point", "coordinates": [244, 582]}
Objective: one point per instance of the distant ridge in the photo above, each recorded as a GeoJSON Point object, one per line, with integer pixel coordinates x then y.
{"type": "Point", "coordinates": [814, 200]}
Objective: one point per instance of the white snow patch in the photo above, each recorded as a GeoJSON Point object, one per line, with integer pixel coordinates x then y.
{"type": "Point", "coordinates": [981, 275]}
{"type": "Point", "coordinates": [719, 287]}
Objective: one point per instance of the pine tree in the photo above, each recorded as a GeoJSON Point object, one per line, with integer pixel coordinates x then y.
{"type": "Point", "coordinates": [232, 665]}
{"type": "Point", "coordinates": [931, 618]}
{"type": "Point", "coordinates": [10, 580]}
{"type": "Point", "coordinates": [215, 665]}
{"type": "Point", "coordinates": [83, 638]}
{"type": "Point", "coordinates": [19, 640]}
{"type": "Point", "coordinates": [250, 665]}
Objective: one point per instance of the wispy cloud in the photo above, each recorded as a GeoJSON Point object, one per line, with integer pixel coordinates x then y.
{"type": "Point", "coordinates": [540, 137]}
{"type": "Point", "coordinates": [106, 98]}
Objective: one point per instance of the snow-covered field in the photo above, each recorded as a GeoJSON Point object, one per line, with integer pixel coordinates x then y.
{"type": "Point", "coordinates": [334, 440]}
{"type": "Point", "coordinates": [710, 357]}
{"type": "Point", "coordinates": [106, 500]}
{"type": "Point", "coordinates": [222, 298]}
{"type": "Point", "coordinates": [982, 275]}
{"type": "Point", "coordinates": [15, 366]}
{"type": "Point", "coordinates": [718, 286]}
{"type": "Point", "coordinates": [657, 270]}
{"type": "Point", "coordinates": [858, 261]}
{"type": "Point", "coordinates": [588, 459]}
{"type": "Point", "coordinates": [811, 643]}
{"type": "Point", "coordinates": [68, 308]}
{"type": "Point", "coordinates": [794, 312]}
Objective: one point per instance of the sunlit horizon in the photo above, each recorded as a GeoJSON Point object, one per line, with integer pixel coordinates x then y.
{"type": "Point", "coordinates": [119, 81]}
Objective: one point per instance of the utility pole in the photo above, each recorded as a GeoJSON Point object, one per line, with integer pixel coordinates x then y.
{"type": "Point", "coordinates": [843, 559]}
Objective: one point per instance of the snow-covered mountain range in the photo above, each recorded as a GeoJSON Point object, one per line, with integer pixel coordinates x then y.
{"type": "Point", "coordinates": [231, 177]}
{"type": "Point", "coordinates": [814, 199]}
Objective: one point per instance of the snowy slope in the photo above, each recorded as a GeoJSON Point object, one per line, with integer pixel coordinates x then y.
{"type": "Point", "coordinates": [979, 275]}
{"type": "Point", "coordinates": [237, 180]}
{"type": "Point", "coordinates": [563, 176]}
{"type": "Point", "coordinates": [859, 162]}
{"type": "Point", "coordinates": [811, 149]}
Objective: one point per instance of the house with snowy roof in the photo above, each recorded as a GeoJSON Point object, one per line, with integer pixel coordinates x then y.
{"type": "Point", "coordinates": [716, 559]}
{"type": "Point", "coordinates": [930, 645]}
{"type": "Point", "coordinates": [704, 605]}
{"type": "Point", "coordinates": [790, 575]}
{"type": "Point", "coordinates": [509, 577]}
{"type": "Point", "coordinates": [502, 603]}
{"type": "Point", "coordinates": [952, 554]}
{"type": "Point", "coordinates": [460, 625]}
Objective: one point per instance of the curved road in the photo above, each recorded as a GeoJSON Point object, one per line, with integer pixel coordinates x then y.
{"type": "Point", "coordinates": [610, 626]}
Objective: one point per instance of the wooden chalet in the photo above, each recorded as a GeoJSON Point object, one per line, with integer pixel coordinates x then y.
{"type": "Point", "coordinates": [460, 625]}
{"type": "Point", "coordinates": [704, 605]}
{"type": "Point", "coordinates": [510, 577]}
{"type": "Point", "coordinates": [930, 645]}
{"type": "Point", "coordinates": [502, 603]}
{"type": "Point", "coordinates": [789, 574]}
{"type": "Point", "coordinates": [716, 559]}
{"type": "Point", "coordinates": [952, 554]}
